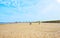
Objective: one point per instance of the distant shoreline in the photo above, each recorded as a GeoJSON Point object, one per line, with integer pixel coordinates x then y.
{"type": "Point", "coordinates": [54, 21]}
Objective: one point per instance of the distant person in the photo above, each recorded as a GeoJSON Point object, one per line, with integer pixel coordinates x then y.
{"type": "Point", "coordinates": [30, 23]}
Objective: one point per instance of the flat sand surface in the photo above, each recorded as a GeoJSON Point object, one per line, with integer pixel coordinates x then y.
{"type": "Point", "coordinates": [25, 30]}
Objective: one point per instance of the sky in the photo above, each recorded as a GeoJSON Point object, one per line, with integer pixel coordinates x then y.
{"type": "Point", "coordinates": [29, 10]}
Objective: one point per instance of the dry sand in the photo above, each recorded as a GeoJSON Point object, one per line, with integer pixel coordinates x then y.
{"type": "Point", "coordinates": [25, 30]}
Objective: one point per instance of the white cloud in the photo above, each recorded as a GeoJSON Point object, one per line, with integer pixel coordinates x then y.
{"type": "Point", "coordinates": [58, 1]}
{"type": "Point", "coordinates": [48, 8]}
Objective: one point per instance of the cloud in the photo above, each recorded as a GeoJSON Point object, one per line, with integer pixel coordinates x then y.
{"type": "Point", "coordinates": [47, 9]}
{"type": "Point", "coordinates": [58, 1]}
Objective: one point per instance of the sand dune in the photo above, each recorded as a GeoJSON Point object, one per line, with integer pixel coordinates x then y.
{"type": "Point", "coordinates": [25, 30]}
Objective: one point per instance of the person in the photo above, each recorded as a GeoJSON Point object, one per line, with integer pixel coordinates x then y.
{"type": "Point", "coordinates": [39, 22]}
{"type": "Point", "coordinates": [30, 23]}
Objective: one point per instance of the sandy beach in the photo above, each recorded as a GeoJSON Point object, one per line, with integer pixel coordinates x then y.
{"type": "Point", "coordinates": [25, 30]}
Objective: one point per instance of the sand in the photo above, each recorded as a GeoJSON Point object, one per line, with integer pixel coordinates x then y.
{"type": "Point", "coordinates": [25, 30]}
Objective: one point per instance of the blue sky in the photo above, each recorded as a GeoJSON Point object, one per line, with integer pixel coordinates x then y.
{"type": "Point", "coordinates": [29, 10]}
